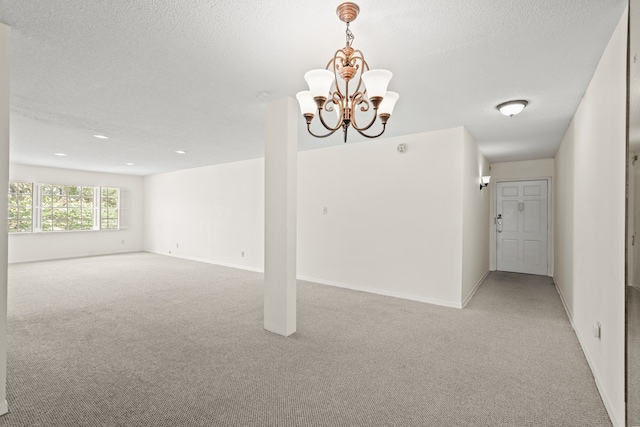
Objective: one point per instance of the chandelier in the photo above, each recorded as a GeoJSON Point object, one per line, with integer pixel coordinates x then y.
{"type": "Point", "coordinates": [347, 89]}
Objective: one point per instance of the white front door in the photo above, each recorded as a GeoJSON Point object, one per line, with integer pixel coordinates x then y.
{"type": "Point", "coordinates": [521, 226]}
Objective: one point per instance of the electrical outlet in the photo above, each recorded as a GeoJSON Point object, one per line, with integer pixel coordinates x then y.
{"type": "Point", "coordinates": [597, 330]}
{"type": "Point", "coordinates": [325, 210]}
{"type": "Point", "coordinates": [176, 245]}
{"type": "Point", "coordinates": [122, 242]}
{"type": "Point", "coordinates": [242, 253]}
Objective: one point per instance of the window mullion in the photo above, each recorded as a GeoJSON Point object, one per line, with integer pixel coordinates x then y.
{"type": "Point", "coordinates": [37, 208]}
{"type": "Point", "coordinates": [96, 208]}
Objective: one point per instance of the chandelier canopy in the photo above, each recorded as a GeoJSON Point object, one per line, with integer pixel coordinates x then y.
{"type": "Point", "coordinates": [345, 86]}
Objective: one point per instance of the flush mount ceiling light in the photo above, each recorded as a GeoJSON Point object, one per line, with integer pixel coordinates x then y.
{"type": "Point", "coordinates": [59, 154]}
{"type": "Point", "coordinates": [181, 152]}
{"type": "Point", "coordinates": [511, 108]}
{"type": "Point", "coordinates": [329, 89]}
{"type": "Point", "coordinates": [101, 136]}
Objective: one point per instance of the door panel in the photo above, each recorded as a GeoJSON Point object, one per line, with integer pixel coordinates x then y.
{"type": "Point", "coordinates": [531, 214]}
{"type": "Point", "coordinates": [532, 190]}
{"type": "Point", "coordinates": [522, 229]}
{"type": "Point", "coordinates": [532, 252]}
{"type": "Point", "coordinates": [510, 219]}
{"type": "Point", "coordinates": [510, 250]}
{"type": "Point", "coordinates": [509, 191]}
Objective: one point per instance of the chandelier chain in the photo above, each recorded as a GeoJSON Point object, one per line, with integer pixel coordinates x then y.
{"type": "Point", "coordinates": [350, 36]}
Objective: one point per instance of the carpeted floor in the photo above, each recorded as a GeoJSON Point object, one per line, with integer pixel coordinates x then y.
{"type": "Point", "coordinates": [147, 340]}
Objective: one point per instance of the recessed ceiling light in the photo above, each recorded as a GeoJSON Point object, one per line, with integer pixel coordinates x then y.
{"type": "Point", "coordinates": [511, 108]}
{"type": "Point", "coordinates": [181, 152]}
{"type": "Point", "coordinates": [100, 136]}
{"type": "Point", "coordinates": [59, 154]}
{"type": "Point", "coordinates": [129, 164]}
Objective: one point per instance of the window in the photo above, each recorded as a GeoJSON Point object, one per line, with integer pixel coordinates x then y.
{"type": "Point", "coordinates": [109, 208]}
{"type": "Point", "coordinates": [51, 207]}
{"type": "Point", "coordinates": [20, 207]}
{"type": "Point", "coordinates": [66, 207]}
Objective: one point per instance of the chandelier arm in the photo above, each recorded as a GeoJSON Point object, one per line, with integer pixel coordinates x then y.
{"type": "Point", "coordinates": [326, 126]}
{"type": "Point", "coordinates": [336, 55]}
{"type": "Point", "coordinates": [373, 120]}
{"type": "Point", "coordinates": [359, 99]}
{"type": "Point", "coordinates": [320, 136]}
{"type": "Point", "coordinates": [334, 68]}
{"type": "Point", "coordinates": [384, 126]}
{"type": "Point", "coordinates": [358, 55]}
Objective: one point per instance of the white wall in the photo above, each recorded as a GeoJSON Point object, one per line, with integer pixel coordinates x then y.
{"type": "Point", "coordinates": [590, 222]}
{"type": "Point", "coordinates": [516, 171]}
{"type": "Point", "coordinates": [394, 222]}
{"type": "Point", "coordinates": [42, 246]}
{"type": "Point", "coordinates": [475, 232]}
{"type": "Point", "coordinates": [210, 214]}
{"type": "Point", "coordinates": [528, 169]}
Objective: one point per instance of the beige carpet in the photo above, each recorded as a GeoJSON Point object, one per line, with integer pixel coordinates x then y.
{"type": "Point", "coordinates": [146, 340]}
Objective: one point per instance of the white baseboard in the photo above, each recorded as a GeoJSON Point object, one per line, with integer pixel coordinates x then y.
{"type": "Point", "coordinates": [63, 258]}
{"type": "Point", "coordinates": [435, 301]}
{"type": "Point", "coordinates": [564, 303]}
{"type": "Point", "coordinates": [352, 287]}
{"type": "Point", "coordinates": [4, 408]}
{"type": "Point", "coordinates": [475, 288]}
{"type": "Point", "coordinates": [607, 404]}
{"type": "Point", "coordinates": [214, 262]}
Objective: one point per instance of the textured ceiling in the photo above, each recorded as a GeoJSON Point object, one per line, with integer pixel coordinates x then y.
{"type": "Point", "coordinates": [163, 75]}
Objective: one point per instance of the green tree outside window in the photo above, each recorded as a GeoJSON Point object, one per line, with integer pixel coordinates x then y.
{"type": "Point", "coordinates": [20, 207]}
{"type": "Point", "coordinates": [109, 208]}
{"type": "Point", "coordinates": [67, 207]}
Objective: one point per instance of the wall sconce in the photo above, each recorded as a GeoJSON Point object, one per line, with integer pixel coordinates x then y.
{"type": "Point", "coordinates": [484, 181]}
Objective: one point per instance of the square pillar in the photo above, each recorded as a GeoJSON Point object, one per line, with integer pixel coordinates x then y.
{"type": "Point", "coordinates": [281, 168]}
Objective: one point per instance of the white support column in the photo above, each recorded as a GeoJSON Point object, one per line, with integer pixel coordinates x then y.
{"type": "Point", "coordinates": [4, 182]}
{"type": "Point", "coordinates": [281, 166]}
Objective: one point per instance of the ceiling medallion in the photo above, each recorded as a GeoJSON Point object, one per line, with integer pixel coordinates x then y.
{"type": "Point", "coordinates": [329, 89]}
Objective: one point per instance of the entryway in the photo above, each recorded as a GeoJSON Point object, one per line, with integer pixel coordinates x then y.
{"type": "Point", "coordinates": [522, 226]}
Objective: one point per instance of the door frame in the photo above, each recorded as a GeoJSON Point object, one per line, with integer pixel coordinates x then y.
{"type": "Point", "coordinates": [492, 221]}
